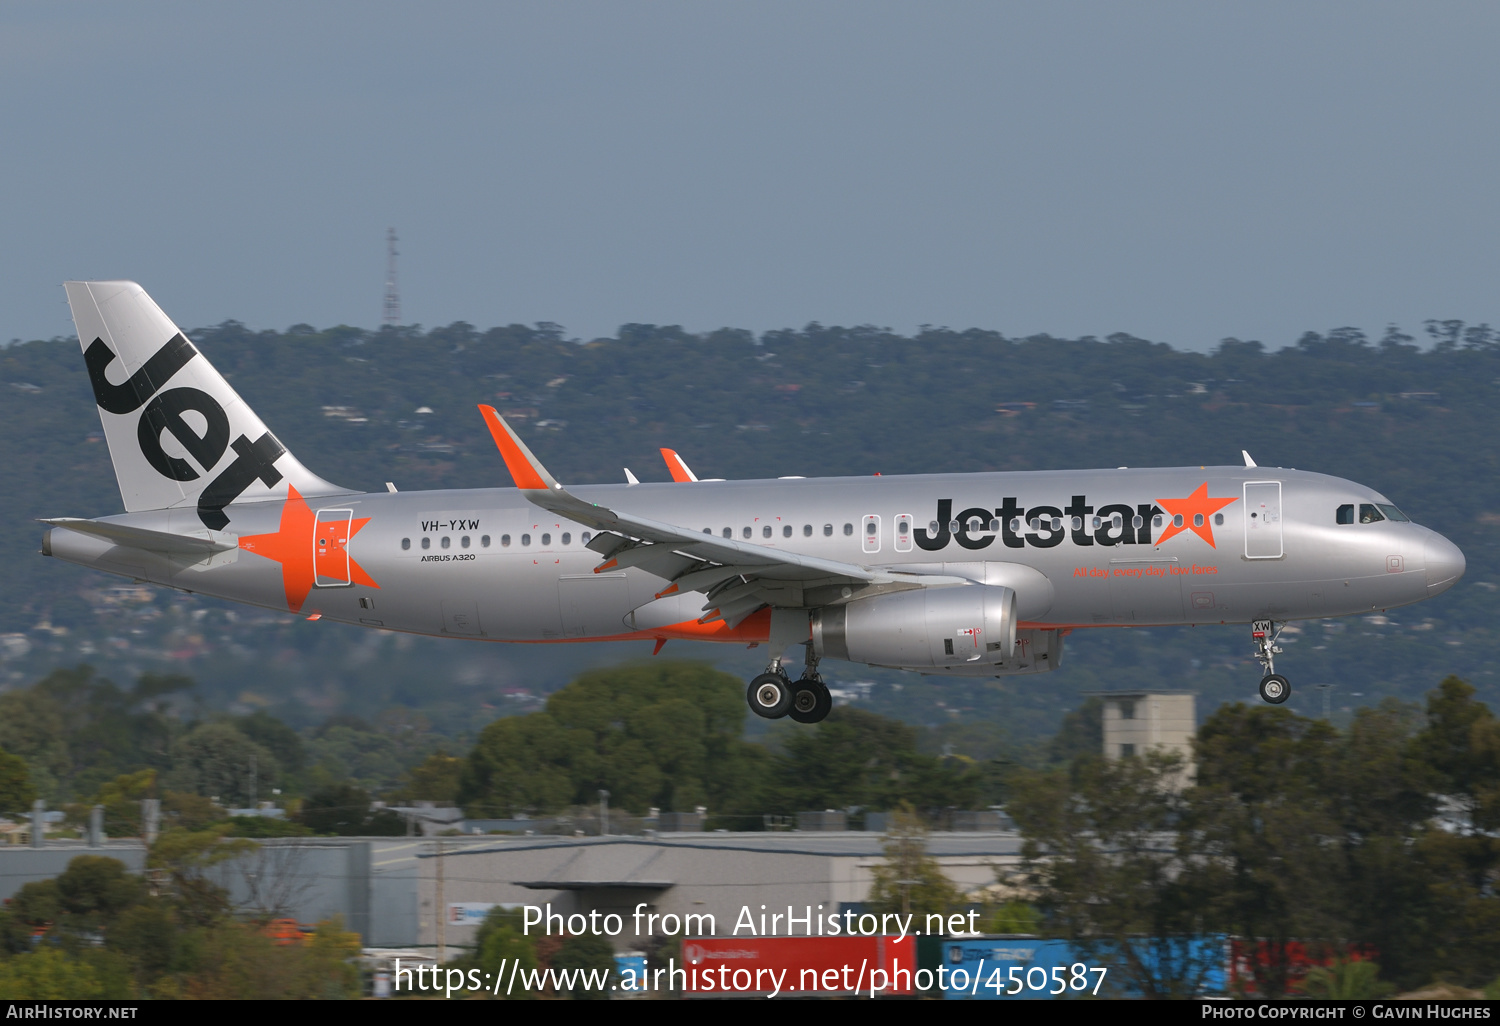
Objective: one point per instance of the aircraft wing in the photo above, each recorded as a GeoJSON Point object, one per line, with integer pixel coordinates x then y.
{"type": "Point", "coordinates": [736, 577]}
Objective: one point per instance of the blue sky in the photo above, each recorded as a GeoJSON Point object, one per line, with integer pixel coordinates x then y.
{"type": "Point", "coordinates": [1179, 171]}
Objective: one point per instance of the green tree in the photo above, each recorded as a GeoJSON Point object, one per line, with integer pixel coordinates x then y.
{"type": "Point", "coordinates": [217, 760]}
{"type": "Point", "coordinates": [856, 757]}
{"type": "Point", "coordinates": [501, 944]}
{"type": "Point", "coordinates": [185, 857]}
{"type": "Point", "coordinates": [660, 734]}
{"type": "Point", "coordinates": [1119, 866]}
{"type": "Point", "coordinates": [436, 779]}
{"type": "Point", "coordinates": [583, 955]}
{"type": "Point", "coordinates": [1345, 980]}
{"type": "Point", "coordinates": [344, 809]}
{"type": "Point", "coordinates": [1460, 745]}
{"type": "Point", "coordinates": [908, 880]}
{"type": "Point", "coordinates": [16, 792]}
{"type": "Point", "coordinates": [52, 974]}
{"type": "Point", "coordinates": [1267, 804]}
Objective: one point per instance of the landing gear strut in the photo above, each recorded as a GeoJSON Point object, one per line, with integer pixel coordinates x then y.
{"type": "Point", "coordinates": [810, 698]}
{"type": "Point", "coordinates": [772, 695]}
{"type": "Point", "coordinates": [1274, 688]}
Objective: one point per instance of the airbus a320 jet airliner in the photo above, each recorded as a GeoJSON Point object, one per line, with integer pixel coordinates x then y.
{"type": "Point", "coordinates": [974, 575]}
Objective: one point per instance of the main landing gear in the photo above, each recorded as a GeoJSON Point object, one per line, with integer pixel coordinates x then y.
{"type": "Point", "coordinates": [1274, 688]}
{"type": "Point", "coordinates": [772, 695]}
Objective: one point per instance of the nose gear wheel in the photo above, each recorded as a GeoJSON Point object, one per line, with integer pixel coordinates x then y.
{"type": "Point", "coordinates": [1274, 688]}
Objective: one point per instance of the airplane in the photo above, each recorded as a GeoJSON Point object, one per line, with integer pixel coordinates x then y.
{"type": "Point", "coordinates": [969, 575]}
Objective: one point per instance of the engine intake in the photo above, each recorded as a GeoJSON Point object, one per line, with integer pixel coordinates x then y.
{"type": "Point", "coordinates": [930, 627]}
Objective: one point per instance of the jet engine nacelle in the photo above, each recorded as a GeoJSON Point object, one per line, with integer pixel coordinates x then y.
{"type": "Point", "coordinates": [931, 627]}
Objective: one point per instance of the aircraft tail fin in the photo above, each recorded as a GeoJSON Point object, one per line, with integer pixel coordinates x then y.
{"type": "Point", "coordinates": [178, 434]}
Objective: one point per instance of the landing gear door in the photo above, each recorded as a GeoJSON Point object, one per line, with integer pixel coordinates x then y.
{"type": "Point", "coordinates": [1263, 520]}
{"type": "Point", "coordinates": [331, 548]}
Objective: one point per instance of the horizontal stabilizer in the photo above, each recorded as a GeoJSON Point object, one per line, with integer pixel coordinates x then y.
{"type": "Point", "coordinates": [148, 540]}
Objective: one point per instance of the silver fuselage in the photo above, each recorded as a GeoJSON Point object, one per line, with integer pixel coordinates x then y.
{"type": "Point", "coordinates": [487, 564]}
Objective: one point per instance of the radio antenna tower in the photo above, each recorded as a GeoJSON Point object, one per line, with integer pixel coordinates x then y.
{"type": "Point", "coordinates": [390, 315]}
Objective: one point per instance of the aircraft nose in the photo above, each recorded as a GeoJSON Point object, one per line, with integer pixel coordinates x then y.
{"type": "Point", "coordinates": [1445, 564]}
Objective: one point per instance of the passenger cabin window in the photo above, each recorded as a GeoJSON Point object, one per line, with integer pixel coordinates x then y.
{"type": "Point", "coordinates": [873, 527]}
{"type": "Point", "coordinates": [827, 530]}
{"type": "Point", "coordinates": [786, 531]}
{"type": "Point", "coordinates": [1177, 520]}
{"type": "Point", "coordinates": [584, 537]}
{"type": "Point", "coordinates": [405, 544]}
{"type": "Point", "coordinates": [1368, 514]}
{"type": "Point", "coordinates": [546, 539]}
{"type": "Point", "coordinates": [765, 532]}
{"type": "Point", "coordinates": [745, 533]}
{"type": "Point", "coordinates": [446, 541]}
{"type": "Point", "coordinates": [807, 530]}
{"type": "Point", "coordinates": [426, 543]}
{"type": "Point", "coordinates": [1156, 520]}
{"type": "Point", "coordinates": [463, 542]}
{"type": "Point", "coordinates": [567, 539]}
{"type": "Point", "coordinates": [1197, 519]}
{"type": "Point", "coordinates": [484, 541]}
{"type": "Point", "coordinates": [505, 541]}
{"type": "Point", "coordinates": [525, 539]}
{"type": "Point", "coordinates": [848, 529]}
{"type": "Point", "coordinates": [1218, 520]}
{"type": "Point", "coordinates": [903, 526]}
{"type": "Point", "coordinates": [729, 532]}
{"type": "Point", "coordinates": [1138, 522]}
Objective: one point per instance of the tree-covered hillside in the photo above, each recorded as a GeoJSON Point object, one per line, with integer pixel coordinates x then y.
{"type": "Point", "coordinates": [1417, 422]}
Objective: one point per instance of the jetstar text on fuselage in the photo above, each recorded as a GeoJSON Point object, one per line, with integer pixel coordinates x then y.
{"type": "Point", "coordinates": [1016, 526]}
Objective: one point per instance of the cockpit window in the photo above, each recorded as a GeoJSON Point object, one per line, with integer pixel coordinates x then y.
{"type": "Point", "coordinates": [1346, 513]}
{"type": "Point", "coordinates": [1368, 514]}
{"type": "Point", "coordinates": [1392, 513]}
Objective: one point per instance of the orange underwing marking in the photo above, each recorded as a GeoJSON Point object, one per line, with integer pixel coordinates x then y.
{"type": "Point", "coordinates": [1198, 502]}
{"type": "Point", "coordinates": [520, 467]}
{"type": "Point", "coordinates": [660, 644]}
{"type": "Point", "coordinates": [606, 566]}
{"type": "Point", "coordinates": [668, 590]}
{"type": "Point", "coordinates": [291, 546]}
{"type": "Point", "coordinates": [316, 616]}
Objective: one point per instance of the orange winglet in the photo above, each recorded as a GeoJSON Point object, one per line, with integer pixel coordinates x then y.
{"type": "Point", "coordinates": [676, 467]}
{"type": "Point", "coordinates": [521, 469]}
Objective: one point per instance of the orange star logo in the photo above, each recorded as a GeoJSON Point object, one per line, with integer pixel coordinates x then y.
{"type": "Point", "coordinates": [293, 546]}
{"type": "Point", "coordinates": [1195, 511]}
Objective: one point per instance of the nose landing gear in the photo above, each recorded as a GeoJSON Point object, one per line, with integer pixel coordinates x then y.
{"type": "Point", "coordinates": [1274, 688]}
{"type": "Point", "coordinates": [772, 695]}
